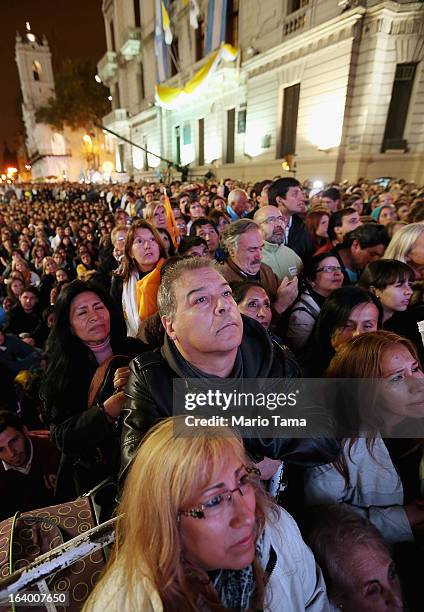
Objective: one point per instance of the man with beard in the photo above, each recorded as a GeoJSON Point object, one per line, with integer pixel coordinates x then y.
{"type": "Point", "coordinates": [244, 244]}
{"type": "Point", "coordinates": [281, 259]}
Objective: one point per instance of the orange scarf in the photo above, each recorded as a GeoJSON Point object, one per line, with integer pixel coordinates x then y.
{"type": "Point", "coordinates": [147, 292]}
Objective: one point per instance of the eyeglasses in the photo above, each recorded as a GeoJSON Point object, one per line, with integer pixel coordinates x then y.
{"type": "Point", "coordinates": [219, 503]}
{"type": "Point", "coordinates": [329, 269]}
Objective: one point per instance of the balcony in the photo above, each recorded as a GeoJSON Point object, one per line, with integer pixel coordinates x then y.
{"type": "Point", "coordinates": [116, 120]}
{"type": "Point", "coordinates": [107, 66]}
{"type": "Point", "coordinates": [296, 21]}
{"type": "Point", "coordinates": [132, 44]}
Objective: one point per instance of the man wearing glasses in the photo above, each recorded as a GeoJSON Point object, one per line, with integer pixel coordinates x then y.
{"type": "Point", "coordinates": [283, 261]}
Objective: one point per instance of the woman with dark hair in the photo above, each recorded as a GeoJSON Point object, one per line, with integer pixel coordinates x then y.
{"type": "Point", "coordinates": [391, 281]}
{"type": "Point", "coordinates": [144, 255]}
{"type": "Point", "coordinates": [347, 312]}
{"type": "Point", "coordinates": [87, 332]}
{"type": "Point", "coordinates": [322, 275]}
{"type": "Point", "coordinates": [167, 241]}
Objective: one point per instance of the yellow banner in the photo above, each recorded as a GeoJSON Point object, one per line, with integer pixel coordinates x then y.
{"type": "Point", "coordinates": [172, 97]}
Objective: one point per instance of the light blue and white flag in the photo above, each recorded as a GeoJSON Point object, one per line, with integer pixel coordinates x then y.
{"type": "Point", "coordinates": [161, 49]}
{"type": "Point", "coordinates": [216, 23]}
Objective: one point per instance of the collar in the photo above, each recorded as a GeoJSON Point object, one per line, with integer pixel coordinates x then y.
{"type": "Point", "coordinates": [26, 468]}
{"type": "Point", "coordinates": [241, 272]}
{"type": "Point", "coordinates": [234, 216]}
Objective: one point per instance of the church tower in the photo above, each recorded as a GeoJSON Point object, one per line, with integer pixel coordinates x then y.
{"type": "Point", "coordinates": [34, 61]}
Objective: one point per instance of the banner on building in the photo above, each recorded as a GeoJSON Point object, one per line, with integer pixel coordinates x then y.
{"type": "Point", "coordinates": [216, 24]}
{"type": "Point", "coordinates": [161, 48]}
{"type": "Point", "coordinates": [173, 97]}
{"type": "Point", "coordinates": [194, 12]}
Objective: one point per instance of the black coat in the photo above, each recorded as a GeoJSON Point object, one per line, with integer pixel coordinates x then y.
{"type": "Point", "coordinates": [150, 393]}
{"type": "Point", "coordinates": [79, 432]}
{"type": "Point", "coordinates": [299, 239]}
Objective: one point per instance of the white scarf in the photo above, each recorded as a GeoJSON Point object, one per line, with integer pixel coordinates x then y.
{"type": "Point", "coordinates": [130, 306]}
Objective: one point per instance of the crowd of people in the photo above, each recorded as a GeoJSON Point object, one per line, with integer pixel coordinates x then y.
{"type": "Point", "coordinates": [137, 285]}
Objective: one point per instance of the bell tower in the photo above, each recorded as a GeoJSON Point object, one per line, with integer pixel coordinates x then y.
{"type": "Point", "coordinates": [34, 62]}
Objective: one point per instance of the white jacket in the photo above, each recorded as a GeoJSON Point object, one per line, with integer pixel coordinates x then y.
{"type": "Point", "coordinates": [295, 583]}
{"type": "Point", "coordinates": [375, 489]}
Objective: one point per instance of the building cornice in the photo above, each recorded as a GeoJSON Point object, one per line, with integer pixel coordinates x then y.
{"type": "Point", "coordinates": [333, 31]}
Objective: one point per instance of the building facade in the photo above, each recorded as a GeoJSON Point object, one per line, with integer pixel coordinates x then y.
{"type": "Point", "coordinates": [67, 154]}
{"type": "Point", "coordinates": [332, 89]}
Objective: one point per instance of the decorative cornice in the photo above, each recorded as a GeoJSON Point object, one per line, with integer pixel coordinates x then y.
{"type": "Point", "coordinates": [332, 32]}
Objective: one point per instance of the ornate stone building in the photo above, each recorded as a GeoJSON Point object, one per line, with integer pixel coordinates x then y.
{"type": "Point", "coordinates": [335, 87]}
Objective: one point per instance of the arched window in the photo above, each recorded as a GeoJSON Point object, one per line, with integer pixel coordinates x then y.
{"type": "Point", "coordinates": [36, 70]}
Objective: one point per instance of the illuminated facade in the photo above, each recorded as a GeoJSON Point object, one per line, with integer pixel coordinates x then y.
{"type": "Point", "coordinates": [335, 86]}
{"type": "Point", "coordinates": [63, 155]}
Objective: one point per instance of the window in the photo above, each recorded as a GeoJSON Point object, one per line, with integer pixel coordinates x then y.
{"type": "Point", "coordinates": [36, 70]}
{"type": "Point", "coordinates": [232, 22]}
{"type": "Point", "coordinates": [112, 36]}
{"type": "Point", "coordinates": [398, 108]}
{"type": "Point", "coordinates": [200, 39]}
{"type": "Point", "coordinates": [295, 5]}
{"type": "Point", "coordinates": [241, 122]}
{"type": "Point", "coordinates": [201, 142]}
{"type": "Point", "coordinates": [121, 167]}
{"type": "Point", "coordinates": [175, 58]}
{"type": "Point", "coordinates": [287, 141]}
{"type": "Point", "coordinates": [117, 97]}
{"type": "Point", "coordinates": [231, 124]}
{"type": "Point", "coordinates": [177, 145]}
{"type": "Point", "coordinates": [146, 158]}
{"type": "Point", "coordinates": [137, 19]}
{"type": "Point", "coordinates": [141, 88]}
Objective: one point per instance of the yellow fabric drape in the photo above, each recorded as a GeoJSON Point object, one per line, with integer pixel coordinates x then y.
{"type": "Point", "coordinates": [171, 97]}
{"type": "Point", "coordinates": [147, 292]}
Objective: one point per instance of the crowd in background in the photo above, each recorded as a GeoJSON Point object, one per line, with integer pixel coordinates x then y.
{"type": "Point", "coordinates": [316, 281]}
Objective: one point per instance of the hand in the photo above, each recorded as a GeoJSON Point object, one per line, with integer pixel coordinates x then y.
{"type": "Point", "coordinates": [114, 404]}
{"type": "Point", "coordinates": [286, 294]}
{"type": "Point", "coordinates": [120, 378]}
{"type": "Point", "coordinates": [268, 467]}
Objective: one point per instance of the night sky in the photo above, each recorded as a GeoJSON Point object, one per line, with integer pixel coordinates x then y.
{"type": "Point", "coordinates": [74, 28]}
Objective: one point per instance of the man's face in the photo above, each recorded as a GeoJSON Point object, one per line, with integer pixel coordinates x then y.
{"type": "Point", "coordinates": [349, 223]}
{"type": "Point", "coordinates": [362, 257]}
{"type": "Point", "coordinates": [207, 319]}
{"type": "Point", "coordinates": [272, 224]}
{"type": "Point", "coordinates": [241, 204]}
{"type": "Point", "coordinates": [28, 301]}
{"type": "Point", "coordinates": [208, 233]}
{"type": "Point", "coordinates": [329, 204]}
{"type": "Point", "coordinates": [248, 255]}
{"type": "Point", "coordinates": [294, 201]}
{"type": "Point", "coordinates": [13, 448]}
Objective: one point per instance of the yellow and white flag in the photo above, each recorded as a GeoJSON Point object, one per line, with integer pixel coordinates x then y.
{"type": "Point", "coordinates": [166, 24]}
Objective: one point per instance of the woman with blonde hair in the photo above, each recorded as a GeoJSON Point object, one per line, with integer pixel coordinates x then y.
{"type": "Point", "coordinates": [197, 532]}
{"type": "Point", "coordinates": [407, 245]}
{"type": "Point", "coordinates": [144, 255]}
{"type": "Point", "coordinates": [155, 214]}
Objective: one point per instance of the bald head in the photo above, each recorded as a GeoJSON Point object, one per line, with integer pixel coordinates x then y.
{"type": "Point", "coordinates": [271, 223]}
{"type": "Point", "coordinates": [239, 201]}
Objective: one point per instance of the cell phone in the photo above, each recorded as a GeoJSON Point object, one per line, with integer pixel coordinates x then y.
{"type": "Point", "coordinates": [292, 271]}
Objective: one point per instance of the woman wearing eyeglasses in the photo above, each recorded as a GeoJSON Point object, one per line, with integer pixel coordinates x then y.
{"type": "Point", "coordinates": [322, 275]}
{"type": "Point", "coordinates": [197, 533]}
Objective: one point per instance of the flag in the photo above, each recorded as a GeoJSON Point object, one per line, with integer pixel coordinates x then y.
{"type": "Point", "coordinates": [166, 24]}
{"type": "Point", "coordinates": [194, 12]}
{"type": "Point", "coordinates": [216, 22]}
{"type": "Point", "coordinates": [161, 50]}
{"type": "Point", "coordinates": [171, 224]}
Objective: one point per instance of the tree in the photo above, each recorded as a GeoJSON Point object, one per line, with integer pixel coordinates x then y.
{"type": "Point", "coordinates": [79, 99]}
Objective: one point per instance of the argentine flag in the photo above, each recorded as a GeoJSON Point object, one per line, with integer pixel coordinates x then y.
{"type": "Point", "coordinates": [216, 22]}
{"type": "Point", "coordinates": [161, 49]}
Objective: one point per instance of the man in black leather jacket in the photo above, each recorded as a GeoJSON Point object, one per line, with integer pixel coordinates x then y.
{"type": "Point", "coordinates": [206, 337]}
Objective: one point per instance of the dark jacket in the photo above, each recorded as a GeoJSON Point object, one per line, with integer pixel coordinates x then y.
{"type": "Point", "coordinates": [17, 355]}
{"type": "Point", "coordinates": [150, 395]}
{"type": "Point", "coordinates": [299, 239]}
{"type": "Point", "coordinates": [80, 432]}
{"type": "Point", "coordinates": [17, 321]}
